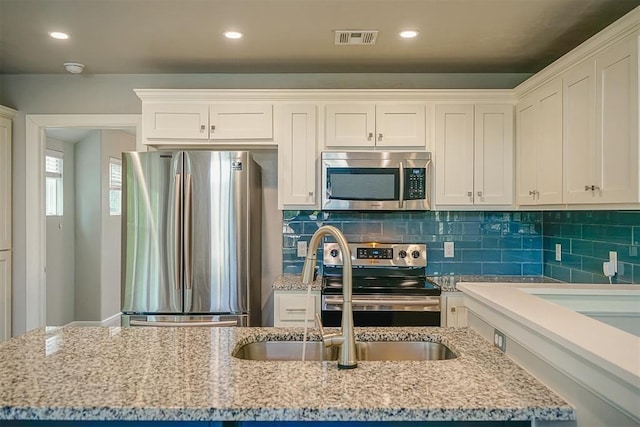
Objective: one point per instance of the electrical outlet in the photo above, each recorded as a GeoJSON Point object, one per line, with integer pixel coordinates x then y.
{"type": "Point", "coordinates": [500, 340]}
{"type": "Point", "coordinates": [302, 248]}
{"type": "Point", "coordinates": [558, 252]}
{"type": "Point", "coordinates": [613, 259]}
{"type": "Point", "coordinates": [448, 249]}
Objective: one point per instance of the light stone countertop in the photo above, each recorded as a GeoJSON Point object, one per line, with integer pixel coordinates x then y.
{"type": "Point", "coordinates": [149, 373]}
{"type": "Point", "coordinates": [293, 282]}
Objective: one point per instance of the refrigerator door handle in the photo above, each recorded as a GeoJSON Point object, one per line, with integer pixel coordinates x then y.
{"type": "Point", "coordinates": [188, 206]}
{"type": "Point", "coordinates": [182, 324]}
{"type": "Point", "coordinates": [177, 232]}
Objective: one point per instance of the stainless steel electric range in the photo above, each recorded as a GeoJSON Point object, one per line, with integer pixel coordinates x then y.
{"type": "Point", "coordinates": [389, 285]}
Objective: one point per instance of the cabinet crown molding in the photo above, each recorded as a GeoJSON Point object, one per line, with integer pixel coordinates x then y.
{"type": "Point", "coordinates": [7, 112]}
{"type": "Point", "coordinates": [320, 95]}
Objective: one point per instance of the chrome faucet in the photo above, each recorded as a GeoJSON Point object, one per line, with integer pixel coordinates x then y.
{"type": "Point", "coordinates": [346, 338]}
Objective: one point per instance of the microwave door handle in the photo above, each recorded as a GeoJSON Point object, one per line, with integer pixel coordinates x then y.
{"type": "Point", "coordinates": [401, 198]}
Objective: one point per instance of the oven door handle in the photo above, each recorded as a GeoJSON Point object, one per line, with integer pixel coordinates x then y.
{"type": "Point", "coordinates": [388, 301]}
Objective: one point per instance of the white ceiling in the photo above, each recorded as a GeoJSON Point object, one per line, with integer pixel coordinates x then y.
{"type": "Point", "coordinates": [286, 36]}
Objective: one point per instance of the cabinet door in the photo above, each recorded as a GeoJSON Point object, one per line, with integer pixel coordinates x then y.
{"type": "Point", "coordinates": [289, 308]}
{"type": "Point", "coordinates": [5, 183]}
{"type": "Point", "coordinates": [297, 156]}
{"type": "Point", "coordinates": [5, 295]}
{"type": "Point", "coordinates": [549, 142]}
{"type": "Point", "coordinates": [617, 121]}
{"type": "Point", "coordinates": [526, 112]}
{"type": "Point", "coordinates": [240, 121]}
{"type": "Point", "coordinates": [580, 163]}
{"type": "Point", "coordinates": [454, 154]}
{"type": "Point", "coordinates": [175, 121]}
{"type": "Point", "coordinates": [493, 155]}
{"type": "Point", "coordinates": [400, 125]}
{"type": "Point", "coordinates": [350, 125]}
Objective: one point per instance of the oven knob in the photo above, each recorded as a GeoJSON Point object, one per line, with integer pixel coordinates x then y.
{"type": "Point", "coordinates": [415, 254]}
{"type": "Point", "coordinates": [403, 253]}
{"type": "Point", "coordinates": [333, 253]}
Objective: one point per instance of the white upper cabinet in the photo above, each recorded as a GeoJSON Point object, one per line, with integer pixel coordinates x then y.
{"type": "Point", "coordinates": [601, 127]}
{"type": "Point", "coordinates": [297, 152]}
{"type": "Point", "coordinates": [5, 183]}
{"type": "Point", "coordinates": [539, 146]}
{"type": "Point", "coordinates": [474, 154]}
{"type": "Point", "coordinates": [617, 122]}
{"type": "Point", "coordinates": [386, 126]}
{"type": "Point", "coordinates": [170, 122]}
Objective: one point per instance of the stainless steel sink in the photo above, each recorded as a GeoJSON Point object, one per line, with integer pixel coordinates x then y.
{"type": "Point", "coordinates": [365, 351]}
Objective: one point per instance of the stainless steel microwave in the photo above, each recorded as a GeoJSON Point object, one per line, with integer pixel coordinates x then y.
{"type": "Point", "coordinates": [376, 181]}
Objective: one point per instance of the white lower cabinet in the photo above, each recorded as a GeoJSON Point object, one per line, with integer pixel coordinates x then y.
{"type": "Point", "coordinates": [474, 154]}
{"type": "Point", "coordinates": [5, 295]}
{"type": "Point", "coordinates": [454, 313]}
{"type": "Point", "coordinates": [297, 157]}
{"type": "Point", "coordinates": [290, 308]}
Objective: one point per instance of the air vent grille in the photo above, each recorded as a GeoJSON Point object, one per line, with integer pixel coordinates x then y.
{"type": "Point", "coordinates": [355, 37]}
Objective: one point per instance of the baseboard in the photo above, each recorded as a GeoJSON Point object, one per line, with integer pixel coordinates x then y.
{"type": "Point", "coordinates": [108, 322]}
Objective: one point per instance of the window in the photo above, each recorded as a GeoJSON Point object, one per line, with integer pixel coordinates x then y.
{"type": "Point", "coordinates": [115, 186]}
{"type": "Point", "coordinates": [54, 200]}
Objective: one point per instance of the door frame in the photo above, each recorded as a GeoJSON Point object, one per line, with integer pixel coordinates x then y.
{"type": "Point", "coordinates": [35, 219]}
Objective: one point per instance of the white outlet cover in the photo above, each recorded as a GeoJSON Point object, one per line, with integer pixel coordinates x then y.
{"type": "Point", "coordinates": [448, 249]}
{"type": "Point", "coordinates": [302, 248]}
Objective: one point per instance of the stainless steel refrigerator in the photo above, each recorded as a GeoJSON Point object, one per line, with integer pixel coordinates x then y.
{"type": "Point", "coordinates": [191, 239]}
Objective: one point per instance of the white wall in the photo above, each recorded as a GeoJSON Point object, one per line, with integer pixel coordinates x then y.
{"type": "Point", "coordinates": [61, 245]}
{"type": "Point", "coordinates": [88, 227]}
{"type": "Point", "coordinates": [113, 94]}
{"type": "Point", "coordinates": [114, 142]}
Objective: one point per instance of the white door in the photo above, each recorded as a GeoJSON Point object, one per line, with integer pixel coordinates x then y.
{"type": "Point", "coordinates": [5, 295]}
{"type": "Point", "coordinates": [240, 121]}
{"type": "Point", "coordinates": [493, 152]}
{"type": "Point", "coordinates": [297, 157]}
{"type": "Point", "coordinates": [549, 141]}
{"type": "Point", "coordinates": [526, 112]}
{"type": "Point", "coordinates": [5, 183]}
{"type": "Point", "coordinates": [175, 121]}
{"type": "Point", "coordinates": [350, 125]}
{"type": "Point", "coordinates": [617, 121]}
{"type": "Point", "coordinates": [400, 125]}
{"type": "Point", "coordinates": [581, 167]}
{"type": "Point", "coordinates": [454, 154]}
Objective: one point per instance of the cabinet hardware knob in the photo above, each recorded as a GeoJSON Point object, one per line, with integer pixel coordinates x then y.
{"type": "Point", "coordinates": [369, 136]}
{"type": "Point", "coordinates": [310, 193]}
{"type": "Point", "coordinates": [213, 128]}
{"type": "Point", "coordinates": [469, 193]}
{"type": "Point", "coordinates": [479, 193]}
{"type": "Point", "coordinates": [532, 192]}
{"type": "Point", "coordinates": [202, 128]}
{"type": "Point", "coordinates": [591, 188]}
{"type": "Point", "coordinates": [379, 137]}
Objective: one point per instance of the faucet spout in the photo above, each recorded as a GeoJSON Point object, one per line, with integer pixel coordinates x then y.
{"type": "Point", "coordinates": [346, 338]}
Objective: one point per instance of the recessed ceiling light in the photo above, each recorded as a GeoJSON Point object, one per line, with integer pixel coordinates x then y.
{"type": "Point", "coordinates": [233, 34]}
{"type": "Point", "coordinates": [58, 35]}
{"type": "Point", "coordinates": [408, 34]}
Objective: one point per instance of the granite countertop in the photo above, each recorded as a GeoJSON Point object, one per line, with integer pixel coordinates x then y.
{"type": "Point", "coordinates": [151, 373]}
{"type": "Point", "coordinates": [293, 282]}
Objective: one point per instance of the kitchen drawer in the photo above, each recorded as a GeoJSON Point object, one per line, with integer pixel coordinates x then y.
{"type": "Point", "coordinates": [289, 307]}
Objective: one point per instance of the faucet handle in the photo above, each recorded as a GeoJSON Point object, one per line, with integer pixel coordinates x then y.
{"type": "Point", "coordinates": [328, 340]}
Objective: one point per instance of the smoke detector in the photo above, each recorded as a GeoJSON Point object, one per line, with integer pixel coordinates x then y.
{"type": "Point", "coordinates": [355, 37]}
{"type": "Point", "coordinates": [74, 67]}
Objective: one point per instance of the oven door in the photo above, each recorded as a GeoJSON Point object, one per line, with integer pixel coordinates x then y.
{"type": "Point", "coordinates": [384, 310]}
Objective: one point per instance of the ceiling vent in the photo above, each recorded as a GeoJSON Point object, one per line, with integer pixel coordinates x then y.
{"type": "Point", "coordinates": [356, 37]}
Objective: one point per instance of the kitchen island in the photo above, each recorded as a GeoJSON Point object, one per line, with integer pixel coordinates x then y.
{"type": "Point", "coordinates": [189, 374]}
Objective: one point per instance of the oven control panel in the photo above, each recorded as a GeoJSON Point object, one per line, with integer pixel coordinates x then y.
{"type": "Point", "coordinates": [375, 254]}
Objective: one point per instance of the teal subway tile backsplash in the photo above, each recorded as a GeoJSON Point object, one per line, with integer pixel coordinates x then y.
{"type": "Point", "coordinates": [587, 237]}
{"type": "Point", "coordinates": [496, 243]}
{"type": "Point", "coordinates": [489, 243]}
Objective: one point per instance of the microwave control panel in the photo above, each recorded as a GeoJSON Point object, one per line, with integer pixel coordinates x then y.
{"type": "Point", "coordinates": [415, 180]}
